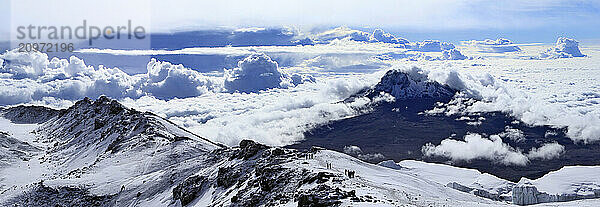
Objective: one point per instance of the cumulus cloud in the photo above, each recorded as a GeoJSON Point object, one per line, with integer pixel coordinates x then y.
{"type": "Point", "coordinates": [346, 33]}
{"type": "Point", "coordinates": [342, 33]}
{"type": "Point", "coordinates": [32, 77]}
{"type": "Point", "coordinates": [432, 46]}
{"type": "Point", "coordinates": [258, 72]}
{"type": "Point", "coordinates": [482, 92]}
{"type": "Point", "coordinates": [515, 135]}
{"type": "Point", "coordinates": [380, 36]}
{"type": "Point", "coordinates": [546, 151]}
{"type": "Point", "coordinates": [24, 65]}
{"type": "Point", "coordinates": [352, 150]}
{"type": "Point", "coordinates": [278, 116]}
{"type": "Point", "coordinates": [500, 45]}
{"type": "Point", "coordinates": [492, 148]}
{"type": "Point", "coordinates": [357, 152]}
{"type": "Point", "coordinates": [165, 80]}
{"type": "Point", "coordinates": [475, 146]}
{"type": "Point", "coordinates": [453, 54]}
{"type": "Point", "coordinates": [564, 48]}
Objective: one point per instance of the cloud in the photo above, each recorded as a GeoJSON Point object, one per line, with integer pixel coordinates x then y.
{"type": "Point", "coordinates": [453, 54]}
{"type": "Point", "coordinates": [256, 72]}
{"type": "Point", "coordinates": [343, 67]}
{"type": "Point", "coordinates": [31, 76]}
{"type": "Point", "coordinates": [475, 146]}
{"type": "Point", "coordinates": [345, 33]}
{"type": "Point", "coordinates": [352, 150]}
{"type": "Point", "coordinates": [481, 92]}
{"type": "Point", "coordinates": [23, 65]}
{"type": "Point", "coordinates": [546, 151]}
{"type": "Point", "coordinates": [500, 45]}
{"type": "Point", "coordinates": [165, 80]}
{"type": "Point", "coordinates": [357, 152]}
{"type": "Point", "coordinates": [512, 134]}
{"type": "Point", "coordinates": [432, 46]}
{"type": "Point", "coordinates": [275, 117]}
{"type": "Point", "coordinates": [492, 148]}
{"type": "Point", "coordinates": [564, 48]}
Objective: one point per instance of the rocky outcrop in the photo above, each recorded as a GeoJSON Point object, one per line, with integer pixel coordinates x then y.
{"type": "Point", "coordinates": [29, 114]}
{"type": "Point", "coordinates": [41, 195]}
{"type": "Point", "coordinates": [323, 195]}
{"type": "Point", "coordinates": [189, 189]}
{"type": "Point", "coordinates": [258, 175]}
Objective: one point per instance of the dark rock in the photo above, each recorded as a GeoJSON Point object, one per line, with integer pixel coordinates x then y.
{"type": "Point", "coordinates": [29, 114]}
{"type": "Point", "coordinates": [324, 195]}
{"type": "Point", "coordinates": [189, 189]}
{"type": "Point", "coordinates": [249, 148]}
{"type": "Point", "coordinates": [227, 176]}
{"type": "Point", "coordinates": [42, 195]}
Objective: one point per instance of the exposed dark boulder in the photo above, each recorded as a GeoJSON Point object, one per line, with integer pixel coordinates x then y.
{"type": "Point", "coordinates": [189, 189]}
{"type": "Point", "coordinates": [248, 148]}
{"type": "Point", "coordinates": [323, 195]}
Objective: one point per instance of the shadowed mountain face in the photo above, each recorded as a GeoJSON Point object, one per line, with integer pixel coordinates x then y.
{"type": "Point", "coordinates": [398, 130]}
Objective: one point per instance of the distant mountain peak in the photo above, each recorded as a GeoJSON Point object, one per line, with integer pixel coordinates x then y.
{"type": "Point", "coordinates": [404, 85]}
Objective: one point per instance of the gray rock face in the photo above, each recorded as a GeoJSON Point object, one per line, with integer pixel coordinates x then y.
{"type": "Point", "coordinates": [42, 195]}
{"type": "Point", "coordinates": [323, 195]}
{"type": "Point", "coordinates": [403, 85]}
{"type": "Point", "coordinates": [189, 189]}
{"type": "Point", "coordinates": [256, 175]}
{"type": "Point", "coordinates": [29, 114]}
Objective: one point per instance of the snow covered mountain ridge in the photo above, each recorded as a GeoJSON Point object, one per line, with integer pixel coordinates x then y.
{"type": "Point", "coordinates": [100, 153]}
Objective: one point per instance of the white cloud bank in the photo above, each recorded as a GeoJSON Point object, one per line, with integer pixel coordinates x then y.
{"type": "Point", "coordinates": [277, 115]}
{"type": "Point", "coordinates": [31, 76]}
{"type": "Point", "coordinates": [476, 146]}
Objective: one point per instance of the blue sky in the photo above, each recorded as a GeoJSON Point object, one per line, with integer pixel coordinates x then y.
{"type": "Point", "coordinates": [529, 21]}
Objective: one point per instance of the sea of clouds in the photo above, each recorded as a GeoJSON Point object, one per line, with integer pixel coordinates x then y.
{"type": "Point", "coordinates": [262, 100]}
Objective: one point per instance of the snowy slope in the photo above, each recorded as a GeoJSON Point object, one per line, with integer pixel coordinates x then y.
{"type": "Point", "coordinates": [100, 153]}
{"type": "Point", "coordinates": [447, 175]}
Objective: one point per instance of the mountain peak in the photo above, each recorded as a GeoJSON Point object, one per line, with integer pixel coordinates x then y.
{"type": "Point", "coordinates": [411, 85]}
